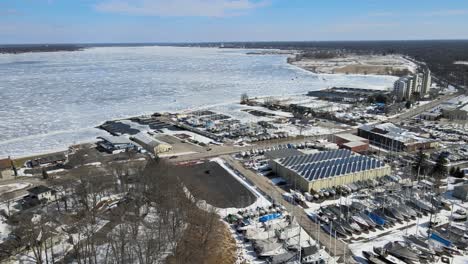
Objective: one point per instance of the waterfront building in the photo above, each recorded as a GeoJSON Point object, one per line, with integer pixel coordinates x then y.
{"type": "Point", "coordinates": [326, 169]}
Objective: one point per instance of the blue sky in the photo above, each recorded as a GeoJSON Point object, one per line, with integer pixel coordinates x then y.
{"type": "Point", "coordinates": [80, 21]}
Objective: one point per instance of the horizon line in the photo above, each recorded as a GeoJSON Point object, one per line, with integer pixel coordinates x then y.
{"type": "Point", "coordinates": [222, 42]}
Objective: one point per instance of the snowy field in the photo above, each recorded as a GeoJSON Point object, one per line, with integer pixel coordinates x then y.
{"type": "Point", "coordinates": [52, 100]}
{"type": "Point", "coordinates": [461, 62]}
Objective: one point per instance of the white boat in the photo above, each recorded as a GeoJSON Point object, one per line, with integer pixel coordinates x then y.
{"type": "Point", "coordinates": [459, 215]}
{"type": "Point", "coordinates": [360, 221]}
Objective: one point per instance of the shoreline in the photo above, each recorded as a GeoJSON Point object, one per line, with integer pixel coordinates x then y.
{"type": "Point", "coordinates": [14, 146]}
{"type": "Point", "coordinates": [292, 60]}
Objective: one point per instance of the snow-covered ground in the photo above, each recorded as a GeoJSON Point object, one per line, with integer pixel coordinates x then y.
{"type": "Point", "coordinates": [260, 202]}
{"type": "Point", "coordinates": [372, 64]}
{"type": "Point", "coordinates": [13, 187]}
{"type": "Point", "coordinates": [461, 62]}
{"type": "Point", "coordinates": [98, 84]}
{"type": "Point", "coordinates": [193, 136]}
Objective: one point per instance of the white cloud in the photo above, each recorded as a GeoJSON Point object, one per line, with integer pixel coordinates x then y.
{"type": "Point", "coordinates": [206, 8]}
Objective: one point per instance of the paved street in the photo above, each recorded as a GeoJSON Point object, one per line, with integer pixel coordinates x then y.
{"type": "Point", "coordinates": [275, 193]}
{"type": "Point", "coordinates": [265, 185]}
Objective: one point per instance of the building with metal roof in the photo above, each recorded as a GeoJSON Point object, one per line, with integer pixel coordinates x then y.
{"type": "Point", "coordinates": [151, 144]}
{"type": "Point", "coordinates": [282, 153]}
{"type": "Point", "coordinates": [115, 144]}
{"type": "Point", "coordinates": [328, 169]}
{"type": "Point", "coordinates": [394, 138]}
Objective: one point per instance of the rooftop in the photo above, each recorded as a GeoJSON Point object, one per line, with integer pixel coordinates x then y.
{"type": "Point", "coordinates": [282, 153]}
{"type": "Point", "coordinates": [327, 164]}
{"type": "Point", "coordinates": [147, 139]}
{"type": "Point", "coordinates": [391, 131]}
{"type": "Point", "coordinates": [5, 164]}
{"type": "Point", "coordinates": [354, 144]}
{"type": "Point", "coordinates": [350, 137]}
{"type": "Point", "coordinates": [39, 189]}
{"type": "Point", "coordinates": [116, 140]}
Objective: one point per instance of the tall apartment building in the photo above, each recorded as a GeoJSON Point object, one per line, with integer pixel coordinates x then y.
{"type": "Point", "coordinates": [406, 86]}
{"type": "Point", "coordinates": [403, 87]}
{"type": "Point", "coordinates": [426, 82]}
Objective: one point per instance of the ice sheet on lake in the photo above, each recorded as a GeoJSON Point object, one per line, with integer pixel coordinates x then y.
{"type": "Point", "coordinates": [52, 100]}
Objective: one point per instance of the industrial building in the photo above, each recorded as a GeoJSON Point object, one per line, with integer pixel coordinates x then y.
{"type": "Point", "coordinates": [393, 138]}
{"type": "Point", "coordinates": [344, 94]}
{"type": "Point", "coordinates": [350, 142]}
{"type": "Point", "coordinates": [115, 145]}
{"type": "Point", "coordinates": [151, 144]}
{"type": "Point", "coordinates": [328, 169]}
{"type": "Point", "coordinates": [456, 108]}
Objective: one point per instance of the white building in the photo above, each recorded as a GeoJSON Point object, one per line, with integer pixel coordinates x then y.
{"type": "Point", "coordinates": [399, 88]}
{"type": "Point", "coordinates": [403, 87]}
{"type": "Point", "coordinates": [426, 82]}
{"type": "Point", "coordinates": [115, 145]}
{"type": "Point", "coordinates": [407, 86]}
{"type": "Point", "coordinates": [42, 193]}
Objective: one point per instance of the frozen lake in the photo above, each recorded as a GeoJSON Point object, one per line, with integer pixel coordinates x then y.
{"type": "Point", "coordinates": [52, 100]}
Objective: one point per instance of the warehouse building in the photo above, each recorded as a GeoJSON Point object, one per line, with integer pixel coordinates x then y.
{"type": "Point", "coordinates": [282, 153]}
{"type": "Point", "coordinates": [115, 145]}
{"type": "Point", "coordinates": [151, 144]}
{"type": "Point", "coordinates": [328, 169]}
{"type": "Point", "coordinates": [350, 142]}
{"type": "Point", "coordinates": [344, 94]}
{"type": "Point", "coordinates": [393, 138]}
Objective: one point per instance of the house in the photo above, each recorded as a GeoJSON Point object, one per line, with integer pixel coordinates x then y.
{"type": "Point", "coordinates": [42, 193]}
{"type": "Point", "coordinates": [114, 145]}
{"type": "Point", "coordinates": [51, 159]}
{"type": "Point", "coordinates": [7, 170]}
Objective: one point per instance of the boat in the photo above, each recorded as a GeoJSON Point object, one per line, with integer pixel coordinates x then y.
{"type": "Point", "coordinates": [459, 215]}
{"type": "Point", "coordinates": [441, 239]}
{"type": "Point", "coordinates": [377, 219]}
{"type": "Point", "coordinates": [361, 222]}
{"type": "Point", "coordinates": [372, 258]}
{"type": "Point", "coordinates": [332, 228]}
{"type": "Point", "coordinates": [409, 210]}
{"type": "Point", "coordinates": [423, 204]}
{"type": "Point", "coordinates": [383, 254]}
{"type": "Point", "coordinates": [383, 215]}
{"type": "Point", "coordinates": [366, 218]}
{"type": "Point", "coordinates": [420, 244]}
{"type": "Point", "coordinates": [402, 251]}
{"type": "Point", "coordinates": [395, 213]}
{"type": "Point", "coordinates": [358, 206]}
{"type": "Point", "coordinates": [345, 226]}
{"type": "Point", "coordinates": [318, 217]}
{"type": "Point", "coordinates": [354, 225]}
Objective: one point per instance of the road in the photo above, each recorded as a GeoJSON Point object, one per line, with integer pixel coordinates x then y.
{"type": "Point", "coordinates": [422, 108]}
{"type": "Point", "coordinates": [275, 193]}
{"type": "Point", "coordinates": [340, 249]}
{"type": "Point", "coordinates": [217, 151]}
{"type": "Point", "coordinates": [229, 149]}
